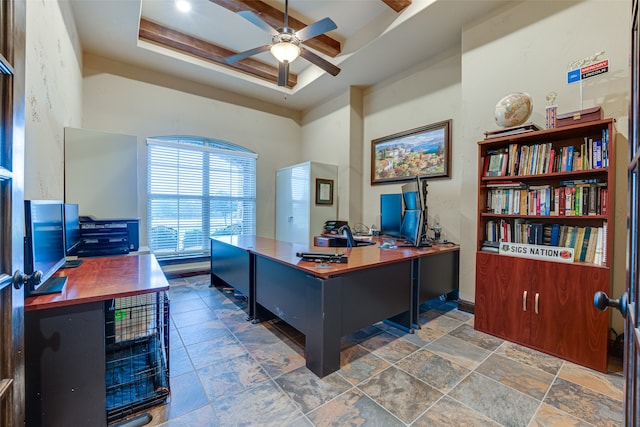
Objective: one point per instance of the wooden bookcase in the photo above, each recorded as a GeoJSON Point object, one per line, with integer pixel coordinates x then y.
{"type": "Point", "coordinates": [546, 304]}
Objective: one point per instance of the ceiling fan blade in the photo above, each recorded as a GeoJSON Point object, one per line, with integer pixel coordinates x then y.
{"type": "Point", "coordinates": [247, 53]}
{"type": "Point", "coordinates": [320, 62]}
{"type": "Point", "coordinates": [313, 30]}
{"type": "Point", "coordinates": [283, 73]}
{"type": "Point", "coordinates": [255, 20]}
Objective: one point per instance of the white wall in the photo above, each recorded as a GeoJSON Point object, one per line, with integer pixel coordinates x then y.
{"type": "Point", "coordinates": [527, 47]}
{"type": "Point", "coordinates": [53, 95]}
{"type": "Point", "coordinates": [118, 104]}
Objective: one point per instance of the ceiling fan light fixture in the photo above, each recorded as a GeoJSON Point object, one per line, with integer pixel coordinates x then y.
{"type": "Point", "coordinates": [183, 5]}
{"type": "Point", "coordinates": [285, 51]}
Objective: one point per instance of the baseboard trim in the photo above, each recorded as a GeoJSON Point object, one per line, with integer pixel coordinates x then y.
{"type": "Point", "coordinates": [467, 306]}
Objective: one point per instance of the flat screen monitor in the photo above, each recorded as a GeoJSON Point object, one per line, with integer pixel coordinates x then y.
{"type": "Point", "coordinates": [412, 227]}
{"type": "Point", "coordinates": [44, 246]}
{"type": "Point", "coordinates": [412, 195]}
{"type": "Point", "coordinates": [390, 214]}
{"type": "Point", "coordinates": [71, 228]}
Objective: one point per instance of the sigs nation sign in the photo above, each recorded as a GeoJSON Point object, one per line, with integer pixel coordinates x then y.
{"type": "Point", "coordinates": [547, 253]}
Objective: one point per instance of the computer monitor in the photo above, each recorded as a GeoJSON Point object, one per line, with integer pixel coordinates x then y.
{"type": "Point", "coordinates": [390, 214]}
{"type": "Point", "coordinates": [412, 195]}
{"type": "Point", "coordinates": [71, 228]}
{"type": "Point", "coordinates": [412, 227]}
{"type": "Point", "coordinates": [44, 246]}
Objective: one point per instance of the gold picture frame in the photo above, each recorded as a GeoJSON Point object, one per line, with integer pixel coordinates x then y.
{"type": "Point", "coordinates": [324, 191]}
{"type": "Point", "coordinates": [423, 152]}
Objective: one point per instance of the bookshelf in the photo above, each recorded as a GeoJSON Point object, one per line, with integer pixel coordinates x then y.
{"type": "Point", "coordinates": [544, 246]}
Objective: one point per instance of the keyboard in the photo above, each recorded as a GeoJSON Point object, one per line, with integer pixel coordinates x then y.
{"type": "Point", "coordinates": [322, 257]}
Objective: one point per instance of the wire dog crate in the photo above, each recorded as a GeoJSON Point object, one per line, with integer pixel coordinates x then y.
{"type": "Point", "coordinates": [137, 356]}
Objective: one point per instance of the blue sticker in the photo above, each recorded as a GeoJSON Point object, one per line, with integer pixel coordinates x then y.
{"type": "Point", "coordinates": [573, 76]}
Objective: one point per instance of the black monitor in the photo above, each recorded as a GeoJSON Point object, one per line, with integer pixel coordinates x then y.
{"type": "Point", "coordinates": [412, 195]}
{"type": "Point", "coordinates": [44, 246]}
{"type": "Point", "coordinates": [390, 214]}
{"type": "Point", "coordinates": [71, 229]}
{"type": "Point", "coordinates": [412, 227]}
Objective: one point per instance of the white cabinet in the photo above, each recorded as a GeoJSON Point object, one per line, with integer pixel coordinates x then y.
{"type": "Point", "coordinates": [298, 217]}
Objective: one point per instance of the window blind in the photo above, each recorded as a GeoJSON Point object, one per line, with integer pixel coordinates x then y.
{"type": "Point", "coordinates": [197, 188]}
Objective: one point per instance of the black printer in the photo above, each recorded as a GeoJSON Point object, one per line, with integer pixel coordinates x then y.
{"type": "Point", "coordinates": [100, 237]}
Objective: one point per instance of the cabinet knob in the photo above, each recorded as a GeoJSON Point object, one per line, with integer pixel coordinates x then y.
{"type": "Point", "coordinates": [601, 301]}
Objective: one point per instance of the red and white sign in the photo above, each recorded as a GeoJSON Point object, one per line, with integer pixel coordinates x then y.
{"type": "Point", "coordinates": [595, 69]}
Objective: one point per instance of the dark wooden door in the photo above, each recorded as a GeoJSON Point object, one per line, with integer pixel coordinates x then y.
{"type": "Point", "coordinates": [631, 329]}
{"type": "Point", "coordinates": [12, 383]}
{"type": "Point", "coordinates": [504, 298]}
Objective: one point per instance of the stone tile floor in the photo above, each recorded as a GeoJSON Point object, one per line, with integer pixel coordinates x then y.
{"type": "Point", "coordinates": [226, 371]}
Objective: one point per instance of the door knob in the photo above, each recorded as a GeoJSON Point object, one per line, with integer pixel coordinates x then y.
{"type": "Point", "coordinates": [19, 278]}
{"type": "Point", "coordinates": [601, 301]}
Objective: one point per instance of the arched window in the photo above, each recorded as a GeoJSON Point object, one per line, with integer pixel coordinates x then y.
{"type": "Point", "coordinates": [197, 187]}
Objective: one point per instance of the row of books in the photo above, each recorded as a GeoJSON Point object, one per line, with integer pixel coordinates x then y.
{"type": "Point", "coordinates": [588, 243]}
{"type": "Point", "coordinates": [582, 199]}
{"type": "Point", "coordinates": [542, 158]}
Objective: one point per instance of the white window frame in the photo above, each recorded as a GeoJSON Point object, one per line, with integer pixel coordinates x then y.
{"type": "Point", "coordinates": [206, 173]}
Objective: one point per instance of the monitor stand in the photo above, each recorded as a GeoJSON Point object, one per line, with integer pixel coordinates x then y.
{"type": "Point", "coordinates": [52, 285]}
{"type": "Point", "coordinates": [72, 263]}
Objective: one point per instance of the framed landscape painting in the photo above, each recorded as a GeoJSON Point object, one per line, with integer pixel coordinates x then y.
{"type": "Point", "coordinates": [422, 152]}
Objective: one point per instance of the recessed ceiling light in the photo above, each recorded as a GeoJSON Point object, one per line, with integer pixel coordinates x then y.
{"type": "Point", "coordinates": [183, 5]}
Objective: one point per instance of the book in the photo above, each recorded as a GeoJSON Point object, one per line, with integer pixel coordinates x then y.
{"type": "Point", "coordinates": [597, 154]}
{"type": "Point", "coordinates": [534, 233]}
{"type": "Point", "coordinates": [593, 200]}
{"type": "Point", "coordinates": [577, 243]}
{"type": "Point", "coordinates": [585, 244]}
{"type": "Point", "coordinates": [555, 234]}
{"type": "Point", "coordinates": [494, 165]}
{"type": "Point", "coordinates": [546, 234]}
{"type": "Point", "coordinates": [591, 248]}
{"type": "Point", "coordinates": [597, 258]}
{"type": "Point", "coordinates": [604, 242]}
{"type": "Point", "coordinates": [562, 239]}
{"type": "Point", "coordinates": [569, 158]}
{"type": "Point", "coordinates": [603, 200]}
{"type": "Point", "coordinates": [572, 233]}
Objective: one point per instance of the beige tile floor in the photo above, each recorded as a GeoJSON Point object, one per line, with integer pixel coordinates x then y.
{"type": "Point", "coordinates": [226, 371]}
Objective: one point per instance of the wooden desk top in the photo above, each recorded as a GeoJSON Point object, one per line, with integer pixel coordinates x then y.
{"type": "Point", "coordinates": [358, 258]}
{"type": "Point", "coordinates": [98, 279]}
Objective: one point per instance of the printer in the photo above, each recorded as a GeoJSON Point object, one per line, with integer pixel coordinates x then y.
{"type": "Point", "coordinates": [100, 237]}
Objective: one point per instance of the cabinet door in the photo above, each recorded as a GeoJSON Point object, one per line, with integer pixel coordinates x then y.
{"type": "Point", "coordinates": [503, 296]}
{"type": "Point", "coordinates": [564, 322]}
{"type": "Point", "coordinates": [292, 204]}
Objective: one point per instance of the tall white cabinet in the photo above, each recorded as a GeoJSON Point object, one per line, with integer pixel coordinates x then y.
{"type": "Point", "coordinates": [298, 217]}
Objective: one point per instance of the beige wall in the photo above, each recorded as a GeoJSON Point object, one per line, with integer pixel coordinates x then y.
{"type": "Point", "coordinates": [119, 104]}
{"type": "Point", "coordinates": [528, 48]}
{"type": "Point", "coordinates": [53, 95]}
{"type": "Point", "coordinates": [424, 95]}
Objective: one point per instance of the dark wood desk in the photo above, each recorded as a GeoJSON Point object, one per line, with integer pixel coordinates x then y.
{"type": "Point", "coordinates": [328, 302]}
{"type": "Point", "coordinates": [65, 338]}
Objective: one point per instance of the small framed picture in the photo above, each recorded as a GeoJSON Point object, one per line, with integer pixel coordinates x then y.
{"type": "Point", "coordinates": [324, 191]}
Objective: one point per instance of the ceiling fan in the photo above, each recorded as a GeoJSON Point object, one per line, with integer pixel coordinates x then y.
{"type": "Point", "coordinates": [287, 43]}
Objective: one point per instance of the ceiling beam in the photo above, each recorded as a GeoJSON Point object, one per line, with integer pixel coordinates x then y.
{"type": "Point", "coordinates": [274, 17]}
{"type": "Point", "coordinates": [169, 38]}
{"type": "Point", "coordinates": [397, 5]}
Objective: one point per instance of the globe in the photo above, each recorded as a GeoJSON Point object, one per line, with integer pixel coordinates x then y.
{"type": "Point", "coordinates": [514, 109]}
